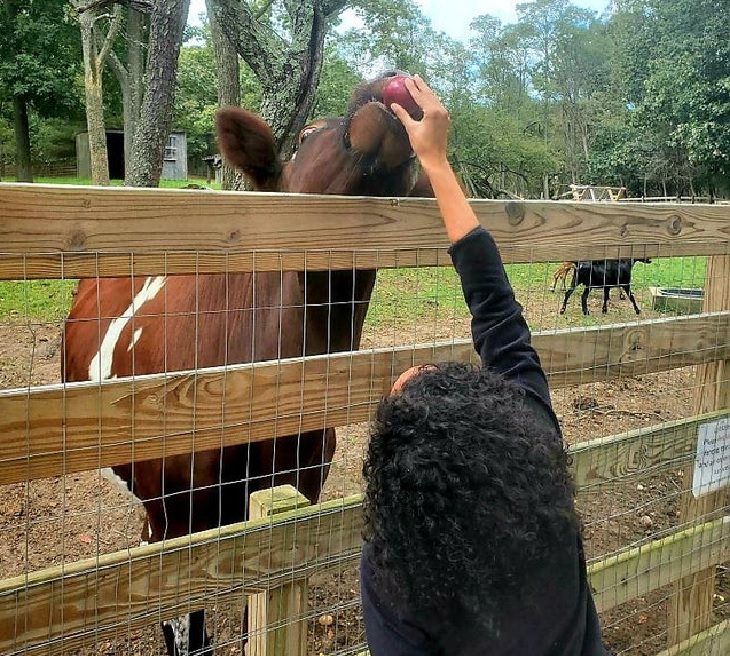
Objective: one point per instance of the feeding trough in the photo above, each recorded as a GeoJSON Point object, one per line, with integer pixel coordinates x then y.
{"type": "Point", "coordinates": [677, 300]}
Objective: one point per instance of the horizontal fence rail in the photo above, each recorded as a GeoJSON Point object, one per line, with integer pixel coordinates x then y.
{"type": "Point", "coordinates": [141, 586]}
{"type": "Point", "coordinates": [59, 429]}
{"type": "Point", "coordinates": [133, 588]}
{"type": "Point", "coordinates": [713, 642]}
{"type": "Point", "coordinates": [595, 463]}
{"type": "Point", "coordinates": [69, 231]}
{"type": "Point", "coordinates": [608, 462]}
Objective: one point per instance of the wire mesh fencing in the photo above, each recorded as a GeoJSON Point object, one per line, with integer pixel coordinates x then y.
{"type": "Point", "coordinates": [174, 453]}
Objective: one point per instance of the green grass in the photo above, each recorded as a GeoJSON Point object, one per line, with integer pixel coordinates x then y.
{"type": "Point", "coordinates": [164, 184]}
{"type": "Point", "coordinates": [412, 295]}
{"type": "Point", "coordinates": [37, 300]}
{"type": "Point", "coordinates": [402, 296]}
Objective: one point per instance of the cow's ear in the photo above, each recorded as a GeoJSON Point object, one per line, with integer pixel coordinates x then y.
{"type": "Point", "coordinates": [247, 143]}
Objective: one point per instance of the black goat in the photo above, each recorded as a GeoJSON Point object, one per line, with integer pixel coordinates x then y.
{"type": "Point", "coordinates": [603, 274]}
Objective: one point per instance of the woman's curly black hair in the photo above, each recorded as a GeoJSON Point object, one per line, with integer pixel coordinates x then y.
{"type": "Point", "coordinates": [468, 492]}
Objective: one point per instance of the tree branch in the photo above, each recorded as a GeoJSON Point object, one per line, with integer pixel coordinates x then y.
{"type": "Point", "coordinates": [259, 46]}
{"type": "Point", "coordinates": [333, 7]}
{"type": "Point", "coordinates": [263, 10]}
{"type": "Point", "coordinates": [118, 68]}
{"type": "Point", "coordinates": [111, 36]}
{"type": "Point", "coordinates": [144, 6]}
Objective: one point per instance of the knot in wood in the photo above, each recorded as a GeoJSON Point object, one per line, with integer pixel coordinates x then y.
{"type": "Point", "coordinates": [76, 240]}
{"type": "Point", "coordinates": [515, 213]}
{"type": "Point", "coordinates": [624, 231]}
{"type": "Point", "coordinates": [674, 225]}
{"type": "Point", "coordinates": [234, 237]}
{"type": "Point", "coordinates": [394, 202]}
{"type": "Point", "coordinates": [633, 346]}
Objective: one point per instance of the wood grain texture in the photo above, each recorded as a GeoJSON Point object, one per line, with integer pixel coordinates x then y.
{"type": "Point", "coordinates": [52, 231]}
{"type": "Point", "coordinates": [131, 589]}
{"type": "Point", "coordinates": [690, 610]}
{"type": "Point", "coordinates": [277, 623]}
{"type": "Point", "coordinates": [715, 641]}
{"type": "Point", "coordinates": [635, 572]}
{"type": "Point", "coordinates": [141, 586]}
{"type": "Point", "coordinates": [611, 461]}
{"type": "Point", "coordinates": [59, 429]}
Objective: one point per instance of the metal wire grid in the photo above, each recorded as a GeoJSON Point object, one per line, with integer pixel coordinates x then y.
{"type": "Point", "coordinates": [59, 520]}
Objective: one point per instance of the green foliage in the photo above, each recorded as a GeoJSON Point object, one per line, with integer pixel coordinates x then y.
{"type": "Point", "coordinates": [674, 56]}
{"type": "Point", "coordinates": [638, 97]}
{"type": "Point", "coordinates": [335, 85]}
{"type": "Point", "coordinates": [40, 55]}
{"type": "Point", "coordinates": [196, 99]}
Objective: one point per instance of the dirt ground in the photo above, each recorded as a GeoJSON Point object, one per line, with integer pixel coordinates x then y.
{"type": "Point", "coordinates": [55, 521]}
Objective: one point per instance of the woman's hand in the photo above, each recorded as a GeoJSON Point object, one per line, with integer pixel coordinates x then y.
{"type": "Point", "coordinates": [429, 136]}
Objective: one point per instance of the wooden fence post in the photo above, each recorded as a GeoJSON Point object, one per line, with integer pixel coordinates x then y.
{"type": "Point", "coordinates": [271, 631]}
{"type": "Point", "coordinates": [690, 609]}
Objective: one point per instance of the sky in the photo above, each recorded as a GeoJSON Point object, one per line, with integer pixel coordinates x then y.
{"type": "Point", "coordinates": [450, 16]}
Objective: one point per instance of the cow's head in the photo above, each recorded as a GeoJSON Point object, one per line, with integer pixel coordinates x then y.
{"type": "Point", "coordinates": [366, 152]}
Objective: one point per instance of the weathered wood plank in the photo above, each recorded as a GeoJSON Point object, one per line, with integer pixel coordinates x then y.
{"type": "Point", "coordinates": [275, 623]}
{"type": "Point", "coordinates": [620, 459]}
{"type": "Point", "coordinates": [714, 641]}
{"type": "Point", "coordinates": [114, 231]}
{"type": "Point", "coordinates": [141, 586]}
{"type": "Point", "coordinates": [690, 611]}
{"type": "Point", "coordinates": [131, 589]}
{"type": "Point", "coordinates": [636, 572]}
{"type": "Point", "coordinates": [59, 429]}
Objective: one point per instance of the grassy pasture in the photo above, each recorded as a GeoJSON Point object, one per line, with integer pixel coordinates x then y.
{"type": "Point", "coordinates": [402, 296]}
{"type": "Point", "coordinates": [164, 184]}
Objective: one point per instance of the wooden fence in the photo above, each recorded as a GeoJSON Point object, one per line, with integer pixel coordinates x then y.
{"type": "Point", "coordinates": [54, 430]}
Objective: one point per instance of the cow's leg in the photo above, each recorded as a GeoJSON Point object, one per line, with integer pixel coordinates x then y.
{"type": "Point", "coordinates": [185, 636]}
{"type": "Point", "coordinates": [629, 293]}
{"type": "Point", "coordinates": [584, 301]}
{"type": "Point", "coordinates": [606, 293]}
{"type": "Point", "coordinates": [568, 294]}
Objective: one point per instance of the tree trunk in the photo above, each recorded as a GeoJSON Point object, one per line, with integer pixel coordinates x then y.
{"type": "Point", "coordinates": [229, 78]}
{"type": "Point", "coordinates": [23, 166]}
{"type": "Point", "coordinates": [167, 22]}
{"type": "Point", "coordinates": [94, 101]}
{"type": "Point", "coordinates": [131, 81]}
{"type": "Point", "coordinates": [289, 70]}
{"type": "Point", "coordinates": [288, 98]}
{"type": "Point", "coordinates": [135, 82]}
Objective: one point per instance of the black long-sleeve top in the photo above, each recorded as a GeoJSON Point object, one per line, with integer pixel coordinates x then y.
{"type": "Point", "coordinates": [561, 618]}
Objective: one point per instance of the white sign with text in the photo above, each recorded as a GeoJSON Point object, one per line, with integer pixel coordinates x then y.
{"type": "Point", "coordinates": [712, 463]}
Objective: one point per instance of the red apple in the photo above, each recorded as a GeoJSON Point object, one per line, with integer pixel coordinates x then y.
{"type": "Point", "coordinates": [395, 91]}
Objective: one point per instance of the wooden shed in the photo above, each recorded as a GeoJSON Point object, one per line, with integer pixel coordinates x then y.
{"type": "Point", "coordinates": [174, 166]}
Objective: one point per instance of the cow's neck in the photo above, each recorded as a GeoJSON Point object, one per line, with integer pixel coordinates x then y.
{"type": "Point", "coordinates": [336, 305]}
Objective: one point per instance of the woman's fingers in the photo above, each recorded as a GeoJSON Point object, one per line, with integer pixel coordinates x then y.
{"type": "Point", "coordinates": [403, 116]}
{"type": "Point", "coordinates": [423, 94]}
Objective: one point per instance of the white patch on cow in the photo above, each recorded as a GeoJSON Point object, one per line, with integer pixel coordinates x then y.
{"type": "Point", "coordinates": [135, 339]}
{"type": "Point", "coordinates": [101, 364]}
{"type": "Point", "coordinates": [181, 631]}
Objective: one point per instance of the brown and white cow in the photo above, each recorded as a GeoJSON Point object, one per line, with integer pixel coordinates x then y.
{"type": "Point", "coordinates": [127, 327]}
